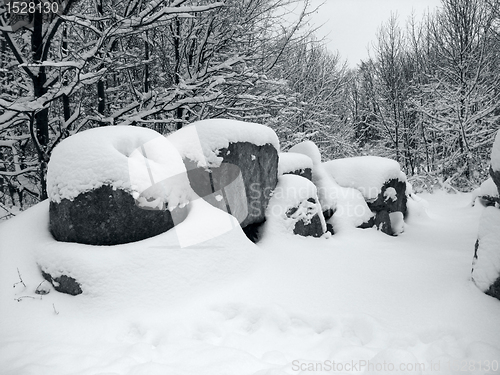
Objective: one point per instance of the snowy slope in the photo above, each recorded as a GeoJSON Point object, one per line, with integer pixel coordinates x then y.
{"type": "Point", "coordinates": [227, 306]}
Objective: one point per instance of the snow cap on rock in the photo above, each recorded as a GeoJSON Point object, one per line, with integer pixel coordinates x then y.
{"type": "Point", "coordinates": [130, 158]}
{"type": "Point", "coordinates": [308, 148]}
{"type": "Point", "coordinates": [292, 161]}
{"type": "Point", "coordinates": [200, 140]}
{"type": "Point", "coordinates": [365, 173]}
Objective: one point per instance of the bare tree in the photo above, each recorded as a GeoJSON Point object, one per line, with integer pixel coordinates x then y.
{"type": "Point", "coordinates": [57, 55]}
{"type": "Point", "coordinates": [461, 98]}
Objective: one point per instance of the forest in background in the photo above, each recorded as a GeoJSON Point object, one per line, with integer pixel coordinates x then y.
{"type": "Point", "coordinates": [427, 97]}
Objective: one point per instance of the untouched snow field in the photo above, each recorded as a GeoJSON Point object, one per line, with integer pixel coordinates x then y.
{"type": "Point", "coordinates": [357, 302]}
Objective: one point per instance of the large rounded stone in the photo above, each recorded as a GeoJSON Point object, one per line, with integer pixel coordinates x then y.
{"type": "Point", "coordinates": [107, 216]}
{"type": "Point", "coordinates": [231, 164]}
{"type": "Point", "coordinates": [313, 227]}
{"type": "Point", "coordinates": [294, 208]}
{"type": "Point", "coordinates": [392, 198]}
{"type": "Point", "coordinates": [242, 184]}
{"type": "Point", "coordinates": [114, 185]}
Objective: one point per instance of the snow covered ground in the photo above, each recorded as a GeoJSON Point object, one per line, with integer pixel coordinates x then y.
{"type": "Point", "coordinates": [357, 302]}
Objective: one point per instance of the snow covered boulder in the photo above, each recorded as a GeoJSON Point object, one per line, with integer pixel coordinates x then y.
{"type": "Point", "coordinates": [487, 193]}
{"type": "Point", "coordinates": [381, 182]}
{"type": "Point", "coordinates": [115, 185]}
{"type": "Point", "coordinates": [233, 162]}
{"type": "Point", "coordinates": [295, 163]}
{"type": "Point", "coordinates": [486, 262]}
{"type": "Point", "coordinates": [326, 195]}
{"type": "Point", "coordinates": [294, 208]}
{"type": "Point", "coordinates": [342, 207]}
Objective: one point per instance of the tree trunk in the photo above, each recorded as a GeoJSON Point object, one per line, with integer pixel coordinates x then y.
{"type": "Point", "coordinates": [176, 33]}
{"type": "Point", "coordinates": [146, 66]}
{"type": "Point", "coordinates": [65, 98]}
{"type": "Point", "coordinates": [39, 89]}
{"type": "Point", "coordinates": [101, 90]}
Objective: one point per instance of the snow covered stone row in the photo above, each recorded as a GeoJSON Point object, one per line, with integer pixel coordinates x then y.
{"type": "Point", "coordinates": [486, 262]}
{"type": "Point", "coordinates": [362, 191]}
{"type": "Point", "coordinates": [116, 185]}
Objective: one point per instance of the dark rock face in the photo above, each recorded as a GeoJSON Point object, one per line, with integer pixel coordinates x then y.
{"type": "Point", "coordinates": [384, 205]}
{"type": "Point", "coordinates": [313, 228]}
{"type": "Point", "coordinates": [252, 231]}
{"type": "Point", "coordinates": [222, 187]}
{"type": "Point", "coordinates": [327, 214]}
{"type": "Point", "coordinates": [383, 222]}
{"type": "Point", "coordinates": [494, 289]}
{"type": "Point", "coordinates": [242, 184]}
{"type": "Point", "coordinates": [307, 227]}
{"type": "Point", "coordinates": [329, 228]}
{"type": "Point", "coordinates": [369, 224]}
{"type": "Point", "coordinates": [64, 284]}
{"type": "Point", "coordinates": [306, 173]}
{"type": "Point", "coordinates": [259, 169]}
{"type": "Point", "coordinates": [108, 217]}
{"type": "Point", "coordinates": [495, 175]}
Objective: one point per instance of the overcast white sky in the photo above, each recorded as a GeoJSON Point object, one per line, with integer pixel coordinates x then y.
{"type": "Point", "coordinates": [350, 26]}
